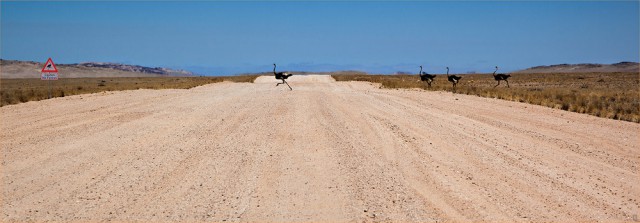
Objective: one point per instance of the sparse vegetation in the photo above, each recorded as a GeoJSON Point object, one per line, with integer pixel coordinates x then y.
{"type": "Point", "coordinates": [609, 95]}
{"type": "Point", "coordinates": [14, 91]}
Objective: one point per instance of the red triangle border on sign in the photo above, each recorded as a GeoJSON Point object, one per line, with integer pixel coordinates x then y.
{"type": "Point", "coordinates": [55, 69]}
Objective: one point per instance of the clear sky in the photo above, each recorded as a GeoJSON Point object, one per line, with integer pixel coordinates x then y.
{"type": "Point", "coordinates": [218, 38]}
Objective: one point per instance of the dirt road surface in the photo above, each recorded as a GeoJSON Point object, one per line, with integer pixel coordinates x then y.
{"type": "Point", "coordinates": [326, 151]}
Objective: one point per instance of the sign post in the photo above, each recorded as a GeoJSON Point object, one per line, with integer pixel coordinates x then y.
{"type": "Point", "coordinates": [49, 73]}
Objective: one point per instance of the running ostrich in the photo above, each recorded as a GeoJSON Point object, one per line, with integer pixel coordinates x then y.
{"type": "Point", "coordinates": [453, 79]}
{"type": "Point", "coordinates": [501, 77]}
{"type": "Point", "coordinates": [424, 76]}
{"type": "Point", "coordinates": [281, 76]}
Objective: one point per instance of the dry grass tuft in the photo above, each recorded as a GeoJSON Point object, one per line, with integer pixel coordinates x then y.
{"type": "Point", "coordinates": [14, 91]}
{"type": "Point", "coordinates": [608, 95]}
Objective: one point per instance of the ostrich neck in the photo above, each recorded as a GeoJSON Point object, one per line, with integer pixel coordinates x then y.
{"type": "Point", "coordinates": [274, 69]}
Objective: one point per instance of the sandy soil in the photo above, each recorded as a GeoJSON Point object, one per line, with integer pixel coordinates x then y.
{"type": "Point", "coordinates": [326, 151]}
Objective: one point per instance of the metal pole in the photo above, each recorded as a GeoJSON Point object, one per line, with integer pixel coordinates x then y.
{"type": "Point", "coordinates": [49, 83]}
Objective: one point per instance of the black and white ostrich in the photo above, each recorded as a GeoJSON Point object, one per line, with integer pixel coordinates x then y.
{"type": "Point", "coordinates": [500, 77]}
{"type": "Point", "coordinates": [424, 76]}
{"type": "Point", "coordinates": [453, 79]}
{"type": "Point", "coordinates": [281, 76]}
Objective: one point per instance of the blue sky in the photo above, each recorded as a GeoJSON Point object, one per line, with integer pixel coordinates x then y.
{"type": "Point", "coordinates": [221, 38]}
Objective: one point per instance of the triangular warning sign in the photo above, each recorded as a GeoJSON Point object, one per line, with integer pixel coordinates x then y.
{"type": "Point", "coordinates": [49, 67]}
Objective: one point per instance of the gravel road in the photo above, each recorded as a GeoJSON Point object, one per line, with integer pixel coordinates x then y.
{"type": "Point", "coordinates": [326, 151]}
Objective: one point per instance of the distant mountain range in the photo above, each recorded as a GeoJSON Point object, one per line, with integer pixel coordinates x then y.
{"type": "Point", "coordinates": [136, 68]}
{"type": "Point", "coordinates": [584, 68]}
{"type": "Point", "coordinates": [29, 69]}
